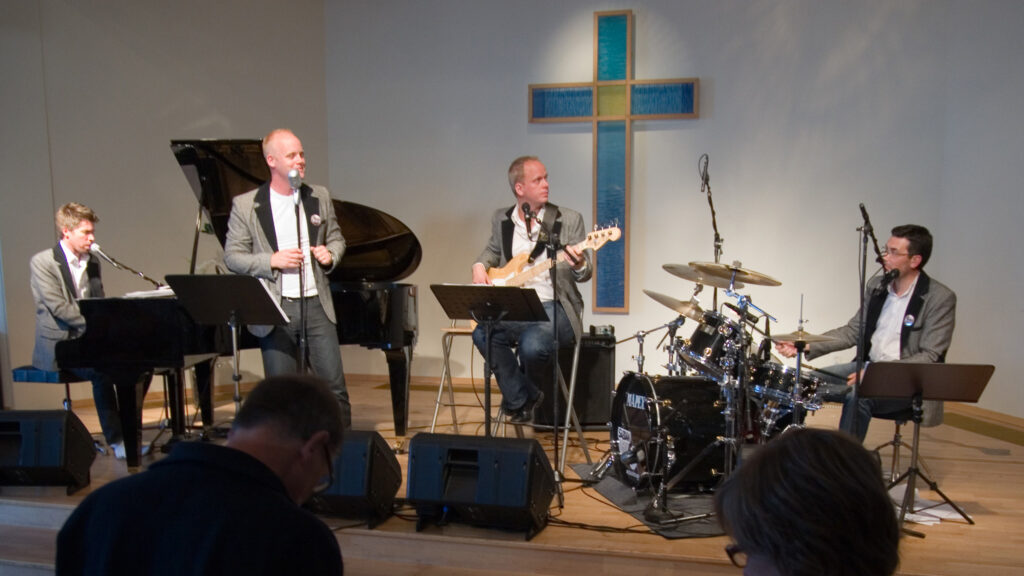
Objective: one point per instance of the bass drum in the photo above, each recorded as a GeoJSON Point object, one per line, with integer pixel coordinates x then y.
{"type": "Point", "coordinates": [688, 410]}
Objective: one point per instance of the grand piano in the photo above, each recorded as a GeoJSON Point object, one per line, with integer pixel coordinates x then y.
{"type": "Point", "coordinates": [374, 310]}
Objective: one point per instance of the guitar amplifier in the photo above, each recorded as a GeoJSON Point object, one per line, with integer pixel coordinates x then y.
{"type": "Point", "coordinates": [595, 382]}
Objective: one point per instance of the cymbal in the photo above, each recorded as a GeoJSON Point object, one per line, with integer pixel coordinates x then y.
{"type": "Point", "coordinates": [687, 273]}
{"type": "Point", "coordinates": [801, 336]}
{"type": "Point", "coordinates": [725, 271]}
{"type": "Point", "coordinates": [688, 309]}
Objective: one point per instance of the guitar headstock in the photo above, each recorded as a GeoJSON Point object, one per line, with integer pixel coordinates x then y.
{"type": "Point", "coordinates": [600, 237]}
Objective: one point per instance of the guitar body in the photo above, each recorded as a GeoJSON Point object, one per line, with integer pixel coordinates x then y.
{"type": "Point", "coordinates": [502, 276]}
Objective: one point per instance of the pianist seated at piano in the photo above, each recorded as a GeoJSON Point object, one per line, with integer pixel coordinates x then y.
{"type": "Point", "coordinates": [59, 277]}
{"type": "Point", "coordinates": [265, 240]}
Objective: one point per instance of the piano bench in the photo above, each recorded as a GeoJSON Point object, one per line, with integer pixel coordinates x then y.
{"type": "Point", "coordinates": [33, 374]}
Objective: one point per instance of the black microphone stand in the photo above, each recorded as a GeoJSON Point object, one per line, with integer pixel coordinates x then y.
{"type": "Point", "coordinates": [302, 278]}
{"type": "Point", "coordinates": [705, 188]}
{"type": "Point", "coordinates": [554, 247]}
{"type": "Point", "coordinates": [866, 231]}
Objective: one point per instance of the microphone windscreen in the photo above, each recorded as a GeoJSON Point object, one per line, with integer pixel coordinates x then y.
{"type": "Point", "coordinates": [294, 180]}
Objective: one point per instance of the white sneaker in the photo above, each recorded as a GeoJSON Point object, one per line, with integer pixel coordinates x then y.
{"type": "Point", "coordinates": [118, 448]}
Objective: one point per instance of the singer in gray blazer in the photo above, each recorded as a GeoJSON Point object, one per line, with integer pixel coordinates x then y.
{"type": "Point", "coordinates": [252, 247]}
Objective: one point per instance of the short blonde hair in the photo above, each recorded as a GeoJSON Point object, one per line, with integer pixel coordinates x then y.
{"type": "Point", "coordinates": [516, 170]}
{"type": "Point", "coordinates": [271, 136]}
{"type": "Point", "coordinates": [70, 215]}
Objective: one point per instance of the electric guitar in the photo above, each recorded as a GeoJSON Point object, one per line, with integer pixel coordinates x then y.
{"type": "Point", "coordinates": [512, 273]}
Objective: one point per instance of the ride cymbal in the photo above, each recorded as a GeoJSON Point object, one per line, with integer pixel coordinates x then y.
{"type": "Point", "coordinates": [801, 336]}
{"type": "Point", "coordinates": [688, 309]}
{"type": "Point", "coordinates": [687, 273]}
{"type": "Point", "coordinates": [726, 271]}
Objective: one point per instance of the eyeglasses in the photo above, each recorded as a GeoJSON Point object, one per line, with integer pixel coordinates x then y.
{"type": "Point", "coordinates": [327, 481]}
{"type": "Point", "coordinates": [736, 555]}
{"type": "Point", "coordinates": [889, 252]}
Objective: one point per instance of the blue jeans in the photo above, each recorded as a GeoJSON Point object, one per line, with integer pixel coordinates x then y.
{"type": "Point", "coordinates": [521, 354]}
{"type": "Point", "coordinates": [865, 408]}
{"type": "Point", "coordinates": [281, 349]}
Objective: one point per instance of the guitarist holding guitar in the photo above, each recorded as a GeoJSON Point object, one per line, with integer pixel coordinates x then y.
{"type": "Point", "coordinates": [522, 353]}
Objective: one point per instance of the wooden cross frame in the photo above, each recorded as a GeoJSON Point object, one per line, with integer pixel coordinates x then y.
{"type": "Point", "coordinates": [611, 103]}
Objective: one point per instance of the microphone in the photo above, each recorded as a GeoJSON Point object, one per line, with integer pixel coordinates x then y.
{"type": "Point", "coordinates": [739, 312]}
{"type": "Point", "coordinates": [95, 249]}
{"type": "Point", "coordinates": [702, 168]}
{"type": "Point", "coordinates": [528, 216]}
{"type": "Point", "coordinates": [867, 221]}
{"type": "Point", "coordinates": [295, 181]}
{"type": "Point", "coordinates": [889, 276]}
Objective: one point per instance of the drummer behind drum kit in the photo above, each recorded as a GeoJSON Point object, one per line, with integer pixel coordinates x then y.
{"type": "Point", "coordinates": [683, 431]}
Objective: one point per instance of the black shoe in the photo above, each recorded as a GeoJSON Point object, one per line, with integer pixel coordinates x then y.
{"type": "Point", "coordinates": [525, 414]}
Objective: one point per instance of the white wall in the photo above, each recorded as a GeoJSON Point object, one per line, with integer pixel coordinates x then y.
{"type": "Point", "coordinates": [94, 91]}
{"type": "Point", "coordinates": [808, 108]}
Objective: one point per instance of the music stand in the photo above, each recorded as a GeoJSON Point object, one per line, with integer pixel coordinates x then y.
{"type": "Point", "coordinates": [234, 299]}
{"type": "Point", "coordinates": [919, 382]}
{"type": "Point", "coordinates": [489, 305]}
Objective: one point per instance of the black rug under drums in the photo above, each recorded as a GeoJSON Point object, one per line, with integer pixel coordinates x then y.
{"type": "Point", "coordinates": [679, 506]}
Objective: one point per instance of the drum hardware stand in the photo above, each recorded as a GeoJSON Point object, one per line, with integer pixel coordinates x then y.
{"type": "Point", "coordinates": [801, 345]}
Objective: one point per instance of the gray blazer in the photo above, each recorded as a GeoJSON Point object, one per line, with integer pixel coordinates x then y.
{"type": "Point", "coordinates": [573, 231]}
{"type": "Point", "coordinates": [53, 293]}
{"type": "Point", "coordinates": [925, 337]}
{"type": "Point", "coordinates": [251, 240]}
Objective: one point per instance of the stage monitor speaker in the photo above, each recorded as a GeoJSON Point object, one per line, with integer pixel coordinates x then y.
{"type": "Point", "coordinates": [494, 482]}
{"type": "Point", "coordinates": [595, 383]}
{"type": "Point", "coordinates": [45, 448]}
{"type": "Point", "coordinates": [366, 479]}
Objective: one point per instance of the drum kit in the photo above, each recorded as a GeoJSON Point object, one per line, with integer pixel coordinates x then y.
{"type": "Point", "coordinates": [683, 431]}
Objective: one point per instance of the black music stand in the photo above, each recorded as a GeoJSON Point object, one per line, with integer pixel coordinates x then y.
{"type": "Point", "coordinates": [919, 382]}
{"type": "Point", "coordinates": [234, 299]}
{"type": "Point", "coordinates": [489, 305]}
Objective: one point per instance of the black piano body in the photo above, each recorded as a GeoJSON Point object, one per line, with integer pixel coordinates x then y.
{"type": "Point", "coordinates": [130, 339]}
{"type": "Point", "coordinates": [374, 309]}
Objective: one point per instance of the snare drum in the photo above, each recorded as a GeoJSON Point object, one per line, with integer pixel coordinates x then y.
{"type": "Point", "coordinates": [773, 382]}
{"type": "Point", "coordinates": [706, 349]}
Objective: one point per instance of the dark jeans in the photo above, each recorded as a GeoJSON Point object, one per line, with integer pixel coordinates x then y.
{"type": "Point", "coordinates": [521, 354]}
{"type": "Point", "coordinates": [281, 349]}
{"type": "Point", "coordinates": [105, 397]}
{"type": "Point", "coordinates": [865, 408]}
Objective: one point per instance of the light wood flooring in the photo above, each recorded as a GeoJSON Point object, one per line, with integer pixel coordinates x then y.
{"type": "Point", "coordinates": [978, 470]}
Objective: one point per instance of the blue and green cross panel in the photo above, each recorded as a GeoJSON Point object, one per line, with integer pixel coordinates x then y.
{"type": "Point", "coordinates": [611, 103]}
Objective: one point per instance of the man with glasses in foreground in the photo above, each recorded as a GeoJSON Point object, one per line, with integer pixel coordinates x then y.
{"type": "Point", "coordinates": [909, 319]}
{"type": "Point", "coordinates": [810, 502]}
{"type": "Point", "coordinates": [232, 509]}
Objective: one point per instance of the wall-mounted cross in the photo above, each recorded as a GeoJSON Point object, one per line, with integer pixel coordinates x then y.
{"type": "Point", "coordinates": [612, 102]}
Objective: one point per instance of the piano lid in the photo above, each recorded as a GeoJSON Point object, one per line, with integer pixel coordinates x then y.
{"type": "Point", "coordinates": [380, 248]}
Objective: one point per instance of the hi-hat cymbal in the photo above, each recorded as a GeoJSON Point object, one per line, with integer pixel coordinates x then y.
{"type": "Point", "coordinates": [688, 309]}
{"type": "Point", "coordinates": [726, 271]}
{"type": "Point", "coordinates": [801, 336]}
{"type": "Point", "coordinates": [687, 273]}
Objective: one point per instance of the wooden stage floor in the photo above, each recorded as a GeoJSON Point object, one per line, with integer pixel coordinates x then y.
{"type": "Point", "coordinates": [976, 459]}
